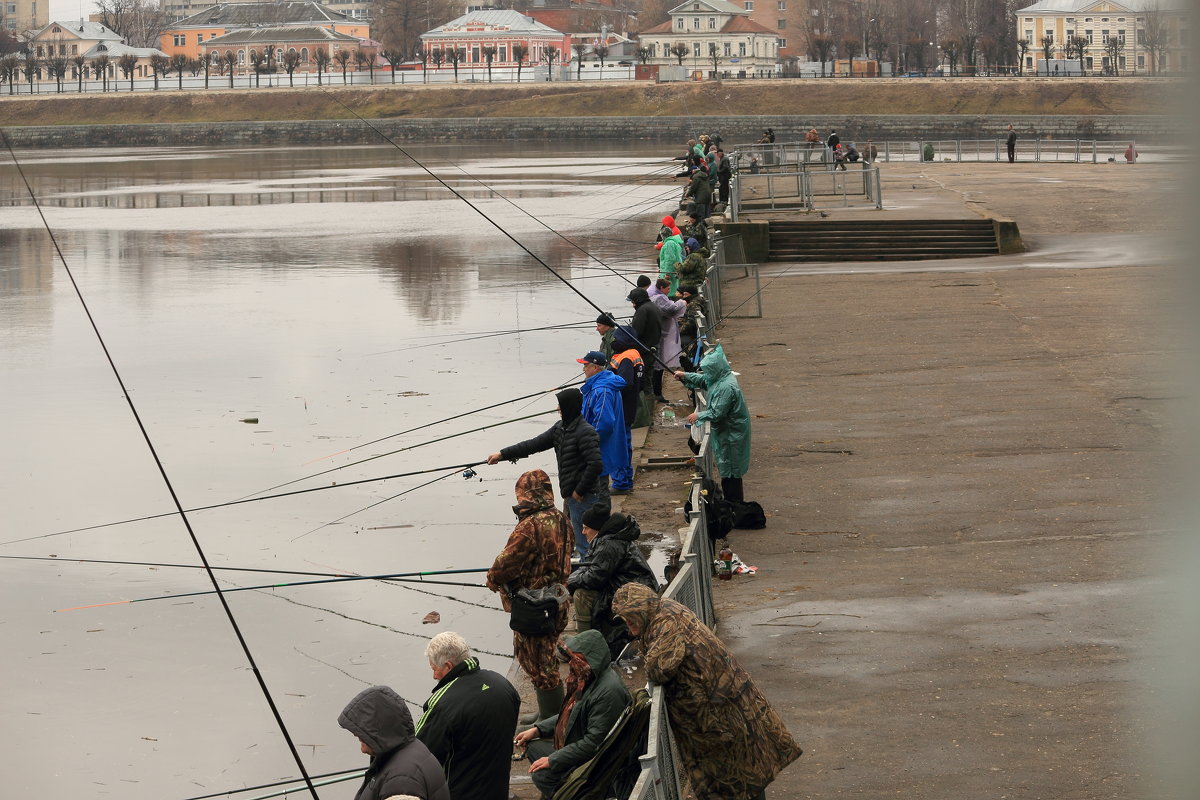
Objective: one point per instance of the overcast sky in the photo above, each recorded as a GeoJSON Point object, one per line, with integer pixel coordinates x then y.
{"type": "Point", "coordinates": [66, 10]}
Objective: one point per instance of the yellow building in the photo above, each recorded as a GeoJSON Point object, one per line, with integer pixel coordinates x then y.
{"type": "Point", "coordinates": [24, 16]}
{"type": "Point", "coordinates": [90, 40]}
{"type": "Point", "coordinates": [190, 36]}
{"type": "Point", "coordinates": [1149, 36]}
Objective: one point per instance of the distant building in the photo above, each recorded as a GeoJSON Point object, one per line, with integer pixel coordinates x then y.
{"type": "Point", "coordinates": [572, 16]}
{"type": "Point", "coordinates": [25, 16]}
{"type": "Point", "coordinates": [190, 35]}
{"type": "Point", "coordinates": [1154, 36]}
{"type": "Point", "coordinates": [714, 28]}
{"type": "Point", "coordinates": [501, 29]}
{"type": "Point", "coordinates": [90, 40]}
{"type": "Point", "coordinates": [305, 41]}
{"type": "Point", "coordinates": [178, 9]}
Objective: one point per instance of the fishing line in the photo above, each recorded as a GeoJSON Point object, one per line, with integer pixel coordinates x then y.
{"type": "Point", "coordinates": [349, 773]}
{"type": "Point", "coordinates": [179, 510]}
{"type": "Point", "coordinates": [344, 579]}
{"type": "Point", "coordinates": [376, 503]}
{"type": "Point", "coordinates": [490, 221]}
{"type": "Point", "coordinates": [246, 500]}
{"type": "Point", "coordinates": [468, 336]}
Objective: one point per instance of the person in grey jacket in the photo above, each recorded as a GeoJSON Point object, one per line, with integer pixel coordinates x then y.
{"type": "Point", "coordinates": [595, 698]}
{"type": "Point", "coordinates": [400, 764]}
{"type": "Point", "coordinates": [577, 450]}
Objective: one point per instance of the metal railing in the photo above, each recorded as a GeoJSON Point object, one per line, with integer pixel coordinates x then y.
{"type": "Point", "coordinates": [794, 156]}
{"type": "Point", "coordinates": [805, 189]}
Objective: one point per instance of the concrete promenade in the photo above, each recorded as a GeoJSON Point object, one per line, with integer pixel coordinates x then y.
{"type": "Point", "coordinates": [959, 580]}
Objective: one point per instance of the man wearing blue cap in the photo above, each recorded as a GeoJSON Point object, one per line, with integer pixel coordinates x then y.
{"type": "Point", "coordinates": [604, 411]}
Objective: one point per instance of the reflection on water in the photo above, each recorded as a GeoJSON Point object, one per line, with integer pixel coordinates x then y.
{"type": "Point", "coordinates": [336, 295]}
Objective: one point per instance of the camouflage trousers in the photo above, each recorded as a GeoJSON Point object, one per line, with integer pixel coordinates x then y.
{"type": "Point", "coordinates": [536, 656]}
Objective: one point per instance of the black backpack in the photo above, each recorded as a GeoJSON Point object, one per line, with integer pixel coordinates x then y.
{"type": "Point", "coordinates": [717, 510]}
{"type": "Point", "coordinates": [748, 515]}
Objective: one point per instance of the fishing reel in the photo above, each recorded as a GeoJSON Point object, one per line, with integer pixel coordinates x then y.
{"type": "Point", "coordinates": [469, 473]}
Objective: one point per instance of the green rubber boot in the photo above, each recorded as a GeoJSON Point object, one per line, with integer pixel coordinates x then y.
{"type": "Point", "coordinates": [549, 703]}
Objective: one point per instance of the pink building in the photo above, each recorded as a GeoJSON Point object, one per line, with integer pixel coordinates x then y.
{"type": "Point", "coordinates": [502, 29]}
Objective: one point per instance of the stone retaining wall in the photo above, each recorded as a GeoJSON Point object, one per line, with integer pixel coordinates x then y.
{"type": "Point", "coordinates": [734, 129]}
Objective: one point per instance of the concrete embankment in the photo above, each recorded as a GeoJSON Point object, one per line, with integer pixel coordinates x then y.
{"type": "Point", "coordinates": [734, 129]}
{"type": "Point", "coordinates": [957, 583]}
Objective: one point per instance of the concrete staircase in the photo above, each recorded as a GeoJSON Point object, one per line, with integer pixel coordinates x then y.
{"type": "Point", "coordinates": [881, 240]}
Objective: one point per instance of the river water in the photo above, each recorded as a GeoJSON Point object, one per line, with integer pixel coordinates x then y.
{"type": "Point", "coordinates": [336, 296]}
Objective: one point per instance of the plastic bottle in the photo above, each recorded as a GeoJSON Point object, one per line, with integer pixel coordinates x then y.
{"type": "Point", "coordinates": [725, 564]}
{"type": "Point", "coordinates": [668, 417]}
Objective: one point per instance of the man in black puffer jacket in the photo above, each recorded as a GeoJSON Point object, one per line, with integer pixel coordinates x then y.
{"type": "Point", "coordinates": [614, 561]}
{"type": "Point", "coordinates": [399, 763]}
{"type": "Point", "coordinates": [577, 450]}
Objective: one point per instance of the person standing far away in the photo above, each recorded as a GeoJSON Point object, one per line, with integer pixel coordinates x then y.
{"type": "Point", "coordinates": [537, 556]}
{"type": "Point", "coordinates": [833, 140]}
{"type": "Point", "coordinates": [1011, 144]}
{"type": "Point", "coordinates": [731, 742]}
{"type": "Point", "coordinates": [604, 410]}
{"type": "Point", "coordinates": [647, 329]}
{"type": "Point", "coordinates": [871, 152]}
{"type": "Point", "coordinates": [606, 326]}
{"type": "Point", "coordinates": [400, 764]}
{"type": "Point", "coordinates": [724, 176]}
{"type": "Point", "coordinates": [1130, 154]}
{"type": "Point", "coordinates": [467, 720]}
{"type": "Point", "coordinates": [728, 417]}
{"type": "Point", "coordinates": [628, 364]}
{"type": "Point", "coordinates": [577, 451]}
{"type": "Point", "coordinates": [670, 252]}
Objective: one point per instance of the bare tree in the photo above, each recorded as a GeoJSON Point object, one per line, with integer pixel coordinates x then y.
{"type": "Point", "coordinates": [56, 68]}
{"type": "Point", "coordinates": [680, 51]}
{"type": "Point", "coordinates": [257, 60]}
{"type": "Point", "coordinates": [100, 66]}
{"type": "Point", "coordinates": [489, 55]}
{"type": "Point", "coordinates": [291, 60]}
{"type": "Point", "coordinates": [822, 46]}
{"type": "Point", "coordinates": [159, 65]}
{"type": "Point", "coordinates": [642, 54]}
{"type": "Point", "coordinates": [714, 57]}
{"type": "Point", "coordinates": [81, 69]}
{"type": "Point", "coordinates": [455, 57]}
{"type": "Point", "coordinates": [600, 51]}
{"type": "Point", "coordinates": [519, 52]}
{"type": "Point", "coordinates": [1113, 49]}
{"type": "Point", "coordinates": [394, 56]}
{"type": "Point", "coordinates": [321, 57]}
{"type": "Point", "coordinates": [953, 49]}
{"type": "Point", "coordinates": [1047, 46]}
{"type": "Point", "coordinates": [10, 68]}
{"type": "Point", "coordinates": [179, 62]}
{"type": "Point", "coordinates": [580, 48]}
{"type": "Point", "coordinates": [31, 68]}
{"type": "Point", "coordinates": [1076, 47]}
{"type": "Point", "coordinates": [1023, 46]}
{"type": "Point", "coordinates": [137, 21]}
{"type": "Point", "coordinates": [127, 64]}
{"type": "Point", "coordinates": [398, 23]}
{"type": "Point", "coordinates": [342, 57]}
{"type": "Point", "coordinates": [231, 62]}
{"type": "Point", "coordinates": [1156, 36]}
{"type": "Point", "coordinates": [550, 55]}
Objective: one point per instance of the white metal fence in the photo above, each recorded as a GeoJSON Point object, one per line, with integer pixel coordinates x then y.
{"type": "Point", "coordinates": [780, 156]}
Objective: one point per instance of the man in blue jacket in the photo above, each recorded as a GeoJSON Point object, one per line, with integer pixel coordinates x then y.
{"type": "Point", "coordinates": [604, 411]}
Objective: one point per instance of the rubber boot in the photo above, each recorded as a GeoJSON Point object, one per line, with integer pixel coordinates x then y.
{"type": "Point", "coordinates": [549, 703]}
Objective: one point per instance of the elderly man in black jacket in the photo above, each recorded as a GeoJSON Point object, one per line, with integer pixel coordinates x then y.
{"type": "Point", "coordinates": [577, 450]}
{"type": "Point", "coordinates": [613, 561]}
{"type": "Point", "coordinates": [400, 765]}
{"type": "Point", "coordinates": [468, 720]}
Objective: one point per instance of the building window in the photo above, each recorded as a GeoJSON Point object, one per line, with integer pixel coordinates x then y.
{"type": "Point", "coordinates": [74, 49]}
{"type": "Point", "coordinates": [679, 23]}
{"type": "Point", "coordinates": [1104, 37]}
{"type": "Point", "coordinates": [179, 39]}
{"type": "Point", "coordinates": [696, 49]}
{"type": "Point", "coordinates": [741, 48]}
{"type": "Point", "coordinates": [728, 49]}
{"type": "Point", "coordinates": [781, 23]}
{"type": "Point", "coordinates": [1029, 34]}
{"type": "Point", "coordinates": [783, 5]}
{"type": "Point", "coordinates": [475, 55]}
{"type": "Point", "coordinates": [199, 38]}
{"type": "Point", "coordinates": [304, 54]}
{"type": "Point", "coordinates": [749, 5]}
{"type": "Point", "coordinates": [712, 23]}
{"type": "Point", "coordinates": [1070, 21]}
{"type": "Point", "coordinates": [502, 53]}
{"type": "Point", "coordinates": [695, 23]}
{"type": "Point", "coordinates": [1089, 36]}
{"type": "Point", "coordinates": [780, 43]}
{"type": "Point", "coordinates": [241, 58]}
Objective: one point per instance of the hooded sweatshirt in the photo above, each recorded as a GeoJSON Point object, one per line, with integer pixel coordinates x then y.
{"type": "Point", "coordinates": [726, 412]}
{"type": "Point", "coordinates": [628, 364]}
{"type": "Point", "coordinates": [400, 764]}
{"type": "Point", "coordinates": [597, 711]}
{"type": "Point", "coordinates": [576, 447]}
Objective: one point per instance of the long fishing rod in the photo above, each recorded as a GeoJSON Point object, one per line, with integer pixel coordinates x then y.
{"type": "Point", "coordinates": [345, 579]}
{"type": "Point", "coordinates": [372, 505]}
{"type": "Point", "coordinates": [348, 774]}
{"type": "Point", "coordinates": [246, 500]}
{"type": "Point", "coordinates": [492, 222]}
{"type": "Point", "coordinates": [162, 471]}
{"type": "Point", "coordinates": [471, 335]}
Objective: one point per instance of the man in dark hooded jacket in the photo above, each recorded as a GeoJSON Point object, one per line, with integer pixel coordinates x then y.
{"type": "Point", "coordinates": [613, 561]}
{"type": "Point", "coordinates": [577, 450]}
{"type": "Point", "coordinates": [594, 700]}
{"type": "Point", "coordinates": [646, 323]}
{"type": "Point", "coordinates": [400, 764]}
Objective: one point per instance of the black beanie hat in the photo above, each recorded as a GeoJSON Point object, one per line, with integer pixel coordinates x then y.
{"type": "Point", "coordinates": [596, 516]}
{"type": "Point", "coordinates": [570, 401]}
{"type": "Point", "coordinates": [606, 318]}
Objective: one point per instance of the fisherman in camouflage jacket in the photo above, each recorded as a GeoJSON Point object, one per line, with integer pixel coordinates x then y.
{"type": "Point", "coordinates": [731, 742]}
{"type": "Point", "coordinates": [538, 555]}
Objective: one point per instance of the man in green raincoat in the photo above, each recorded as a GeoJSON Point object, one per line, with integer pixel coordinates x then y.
{"type": "Point", "coordinates": [728, 417]}
{"type": "Point", "coordinates": [670, 253]}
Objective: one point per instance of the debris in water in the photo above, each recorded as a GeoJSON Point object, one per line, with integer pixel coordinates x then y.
{"type": "Point", "coordinates": [432, 618]}
{"type": "Point", "coordinates": [412, 394]}
{"type": "Point", "coordinates": [250, 420]}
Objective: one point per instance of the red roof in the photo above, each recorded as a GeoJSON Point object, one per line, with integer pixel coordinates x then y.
{"type": "Point", "coordinates": [745, 25]}
{"type": "Point", "coordinates": [663, 28]}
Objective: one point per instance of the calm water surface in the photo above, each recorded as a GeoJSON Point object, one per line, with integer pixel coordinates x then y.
{"type": "Point", "coordinates": [338, 295]}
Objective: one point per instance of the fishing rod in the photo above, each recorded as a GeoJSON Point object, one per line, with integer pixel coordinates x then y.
{"type": "Point", "coordinates": [285, 792]}
{"type": "Point", "coordinates": [349, 774]}
{"type": "Point", "coordinates": [166, 479]}
{"type": "Point", "coordinates": [493, 223]}
{"type": "Point", "coordinates": [246, 500]}
{"type": "Point", "coordinates": [468, 473]}
{"type": "Point", "coordinates": [483, 334]}
{"type": "Point", "coordinates": [344, 579]}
